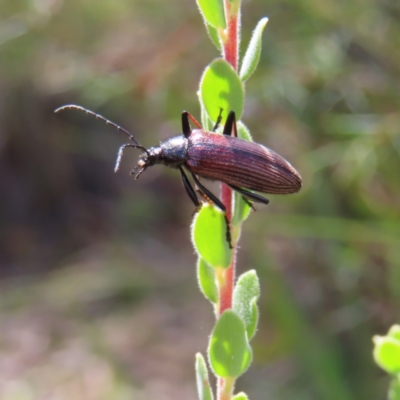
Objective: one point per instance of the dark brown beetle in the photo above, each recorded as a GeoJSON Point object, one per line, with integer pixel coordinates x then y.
{"type": "Point", "coordinates": [242, 165]}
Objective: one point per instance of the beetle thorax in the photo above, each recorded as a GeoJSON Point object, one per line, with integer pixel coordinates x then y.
{"type": "Point", "coordinates": [171, 152]}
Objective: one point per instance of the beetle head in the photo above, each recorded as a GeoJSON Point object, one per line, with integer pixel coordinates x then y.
{"type": "Point", "coordinates": [147, 159]}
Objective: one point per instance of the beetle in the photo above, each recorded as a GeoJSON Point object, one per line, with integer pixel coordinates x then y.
{"type": "Point", "coordinates": [244, 166]}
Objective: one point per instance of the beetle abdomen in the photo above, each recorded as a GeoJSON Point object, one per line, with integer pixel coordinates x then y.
{"type": "Point", "coordinates": [241, 163]}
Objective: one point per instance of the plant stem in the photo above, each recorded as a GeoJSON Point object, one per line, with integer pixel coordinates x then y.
{"type": "Point", "coordinates": [230, 54]}
{"type": "Point", "coordinates": [226, 277]}
{"type": "Point", "coordinates": [231, 42]}
{"type": "Point", "coordinates": [225, 388]}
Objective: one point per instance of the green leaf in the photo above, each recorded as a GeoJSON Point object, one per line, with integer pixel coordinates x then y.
{"type": "Point", "coordinates": [387, 353]}
{"type": "Point", "coordinates": [220, 87]}
{"type": "Point", "coordinates": [213, 33]}
{"type": "Point", "coordinates": [243, 132]}
{"type": "Point", "coordinates": [394, 332]}
{"type": "Point", "coordinates": [240, 396]}
{"type": "Point", "coordinates": [229, 351]}
{"type": "Point", "coordinates": [212, 12]}
{"type": "Point", "coordinates": [205, 120]}
{"type": "Point", "coordinates": [202, 380]}
{"type": "Point", "coordinates": [209, 236]}
{"type": "Point", "coordinates": [206, 280]}
{"type": "Point", "coordinates": [241, 209]}
{"type": "Point", "coordinates": [394, 390]}
{"type": "Point", "coordinates": [240, 212]}
{"type": "Point", "coordinates": [252, 56]}
{"type": "Point", "coordinates": [245, 296]}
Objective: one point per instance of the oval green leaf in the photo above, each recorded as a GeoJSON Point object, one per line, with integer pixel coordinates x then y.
{"type": "Point", "coordinates": [213, 33]}
{"type": "Point", "coordinates": [387, 353]}
{"type": "Point", "coordinates": [394, 332]}
{"type": "Point", "coordinates": [240, 212]}
{"type": "Point", "coordinates": [220, 87]}
{"type": "Point", "coordinates": [212, 12]}
{"type": "Point", "coordinates": [245, 296]}
{"type": "Point", "coordinates": [202, 380]}
{"type": "Point", "coordinates": [229, 351]}
{"type": "Point", "coordinates": [206, 280]}
{"type": "Point", "coordinates": [243, 132]}
{"type": "Point", "coordinates": [252, 56]}
{"type": "Point", "coordinates": [206, 123]}
{"type": "Point", "coordinates": [209, 237]}
{"type": "Point", "coordinates": [240, 396]}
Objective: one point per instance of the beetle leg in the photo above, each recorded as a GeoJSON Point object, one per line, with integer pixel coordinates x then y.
{"type": "Point", "coordinates": [208, 200]}
{"type": "Point", "coordinates": [203, 195]}
{"type": "Point", "coordinates": [219, 119]}
{"type": "Point", "coordinates": [193, 119]}
{"type": "Point", "coordinates": [219, 204]}
{"type": "Point", "coordinates": [213, 198]}
{"type": "Point", "coordinates": [249, 203]}
{"type": "Point", "coordinates": [250, 195]}
{"type": "Point", "coordinates": [186, 129]}
{"type": "Point", "coordinates": [189, 189]}
{"type": "Point", "coordinates": [229, 124]}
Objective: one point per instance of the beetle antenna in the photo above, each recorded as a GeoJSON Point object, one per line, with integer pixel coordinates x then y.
{"type": "Point", "coordinates": [100, 117]}
{"type": "Point", "coordinates": [121, 152]}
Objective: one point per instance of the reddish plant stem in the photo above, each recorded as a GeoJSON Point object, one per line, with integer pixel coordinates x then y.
{"type": "Point", "coordinates": [226, 198]}
{"type": "Point", "coordinates": [230, 53]}
{"type": "Point", "coordinates": [231, 43]}
{"type": "Point", "coordinates": [226, 289]}
{"type": "Point", "coordinates": [224, 394]}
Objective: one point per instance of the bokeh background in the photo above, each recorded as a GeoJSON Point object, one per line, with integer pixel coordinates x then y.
{"type": "Point", "coordinates": [99, 298]}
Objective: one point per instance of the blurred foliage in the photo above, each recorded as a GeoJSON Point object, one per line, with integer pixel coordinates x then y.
{"type": "Point", "coordinates": [98, 282]}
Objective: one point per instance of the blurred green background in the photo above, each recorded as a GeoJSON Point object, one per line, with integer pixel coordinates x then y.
{"type": "Point", "coordinates": [99, 298]}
